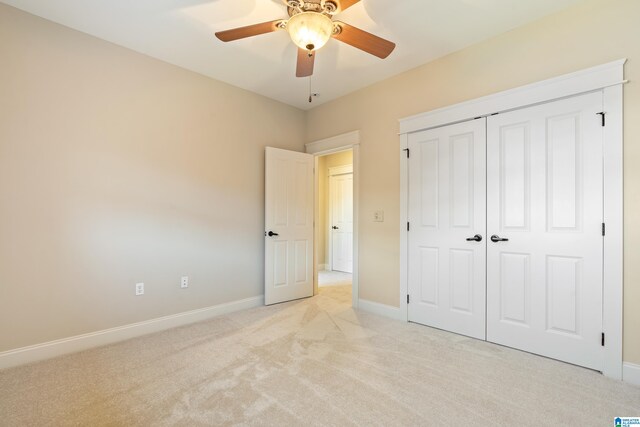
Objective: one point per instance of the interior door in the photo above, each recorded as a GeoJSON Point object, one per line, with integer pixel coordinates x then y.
{"type": "Point", "coordinates": [447, 219]}
{"type": "Point", "coordinates": [544, 194]}
{"type": "Point", "coordinates": [288, 225]}
{"type": "Point", "coordinates": [341, 200]}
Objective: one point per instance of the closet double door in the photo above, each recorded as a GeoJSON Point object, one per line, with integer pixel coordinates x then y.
{"type": "Point", "coordinates": [505, 240]}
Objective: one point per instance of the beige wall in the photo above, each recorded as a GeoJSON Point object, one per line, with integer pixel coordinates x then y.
{"type": "Point", "coordinates": [116, 168]}
{"type": "Point", "coordinates": [587, 35]}
{"type": "Point", "coordinates": [324, 163]}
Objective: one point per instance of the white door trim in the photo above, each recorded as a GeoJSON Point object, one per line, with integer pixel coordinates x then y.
{"type": "Point", "coordinates": [340, 170]}
{"type": "Point", "coordinates": [613, 242]}
{"type": "Point", "coordinates": [346, 141]}
{"type": "Point", "coordinates": [610, 79]}
{"type": "Point", "coordinates": [587, 80]}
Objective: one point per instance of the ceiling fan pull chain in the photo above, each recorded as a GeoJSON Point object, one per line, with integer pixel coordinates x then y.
{"type": "Point", "coordinates": [311, 93]}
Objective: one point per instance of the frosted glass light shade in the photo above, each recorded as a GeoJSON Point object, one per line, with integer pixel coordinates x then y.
{"type": "Point", "coordinates": [310, 30]}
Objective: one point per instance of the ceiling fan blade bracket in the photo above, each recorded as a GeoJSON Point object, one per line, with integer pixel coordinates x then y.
{"type": "Point", "coordinates": [329, 7]}
{"type": "Point", "coordinates": [294, 6]}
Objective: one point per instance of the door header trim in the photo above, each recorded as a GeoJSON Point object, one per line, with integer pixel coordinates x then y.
{"type": "Point", "coordinates": [334, 144]}
{"type": "Point", "coordinates": [587, 80]}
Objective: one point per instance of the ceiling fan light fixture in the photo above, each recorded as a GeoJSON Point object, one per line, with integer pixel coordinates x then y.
{"type": "Point", "coordinates": [310, 30]}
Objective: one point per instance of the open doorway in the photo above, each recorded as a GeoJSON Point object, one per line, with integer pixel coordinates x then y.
{"type": "Point", "coordinates": [335, 214]}
{"type": "Point", "coordinates": [322, 149]}
{"type": "Point", "coordinates": [335, 231]}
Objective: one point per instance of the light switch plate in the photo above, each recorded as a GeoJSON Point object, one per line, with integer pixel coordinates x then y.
{"type": "Point", "coordinates": [139, 289]}
{"type": "Point", "coordinates": [378, 216]}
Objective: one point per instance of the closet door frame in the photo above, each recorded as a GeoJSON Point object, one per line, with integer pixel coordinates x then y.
{"type": "Point", "coordinates": [608, 78]}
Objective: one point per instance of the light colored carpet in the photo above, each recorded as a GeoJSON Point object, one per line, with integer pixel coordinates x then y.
{"type": "Point", "coordinates": [333, 278]}
{"type": "Point", "coordinates": [311, 362]}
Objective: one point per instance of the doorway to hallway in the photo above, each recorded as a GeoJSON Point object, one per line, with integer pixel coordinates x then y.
{"type": "Point", "coordinates": [334, 201]}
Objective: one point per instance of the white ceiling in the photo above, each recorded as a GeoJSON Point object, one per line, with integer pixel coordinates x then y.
{"type": "Point", "coordinates": [181, 32]}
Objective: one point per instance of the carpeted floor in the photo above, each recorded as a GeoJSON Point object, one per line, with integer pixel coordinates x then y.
{"type": "Point", "coordinates": [311, 362]}
{"type": "Point", "coordinates": [334, 278]}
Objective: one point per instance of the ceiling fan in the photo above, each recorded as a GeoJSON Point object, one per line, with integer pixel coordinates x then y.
{"type": "Point", "coordinates": [310, 26]}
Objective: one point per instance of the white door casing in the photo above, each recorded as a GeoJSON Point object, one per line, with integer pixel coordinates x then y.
{"type": "Point", "coordinates": [289, 218]}
{"type": "Point", "coordinates": [341, 221]}
{"type": "Point", "coordinates": [446, 206]}
{"type": "Point", "coordinates": [545, 194]}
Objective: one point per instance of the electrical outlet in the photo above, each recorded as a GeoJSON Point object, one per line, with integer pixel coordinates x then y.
{"type": "Point", "coordinates": [184, 282]}
{"type": "Point", "coordinates": [378, 216]}
{"type": "Point", "coordinates": [139, 289]}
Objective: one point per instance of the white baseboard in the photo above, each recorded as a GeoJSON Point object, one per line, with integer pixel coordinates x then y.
{"type": "Point", "coordinates": [379, 309]}
{"type": "Point", "coordinates": [34, 353]}
{"type": "Point", "coordinates": [631, 373]}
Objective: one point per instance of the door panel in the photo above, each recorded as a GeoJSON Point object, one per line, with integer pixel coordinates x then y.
{"type": "Point", "coordinates": [461, 180]}
{"type": "Point", "coordinates": [446, 207]}
{"type": "Point", "coordinates": [428, 275]}
{"type": "Point", "coordinates": [461, 275]}
{"type": "Point", "coordinates": [515, 163]}
{"type": "Point", "coordinates": [544, 194]}
{"type": "Point", "coordinates": [427, 181]}
{"type": "Point", "coordinates": [289, 214]}
{"type": "Point", "coordinates": [514, 288]}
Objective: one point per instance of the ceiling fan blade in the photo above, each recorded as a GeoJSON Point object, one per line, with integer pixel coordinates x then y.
{"type": "Point", "coordinates": [306, 60]}
{"type": "Point", "coordinates": [364, 41]}
{"type": "Point", "coordinates": [249, 31]}
{"type": "Point", "coordinates": [346, 4]}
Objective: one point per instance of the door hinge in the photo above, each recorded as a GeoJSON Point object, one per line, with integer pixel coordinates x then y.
{"type": "Point", "coordinates": [602, 339]}
{"type": "Point", "coordinates": [407, 150]}
{"type": "Point", "coordinates": [602, 114]}
{"type": "Point", "coordinates": [408, 226]}
{"type": "Point", "coordinates": [408, 298]}
{"type": "Point", "coordinates": [604, 229]}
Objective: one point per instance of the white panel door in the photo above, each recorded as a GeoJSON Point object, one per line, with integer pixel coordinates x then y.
{"type": "Point", "coordinates": [288, 225]}
{"type": "Point", "coordinates": [447, 202]}
{"type": "Point", "coordinates": [544, 194]}
{"type": "Point", "coordinates": [341, 200]}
